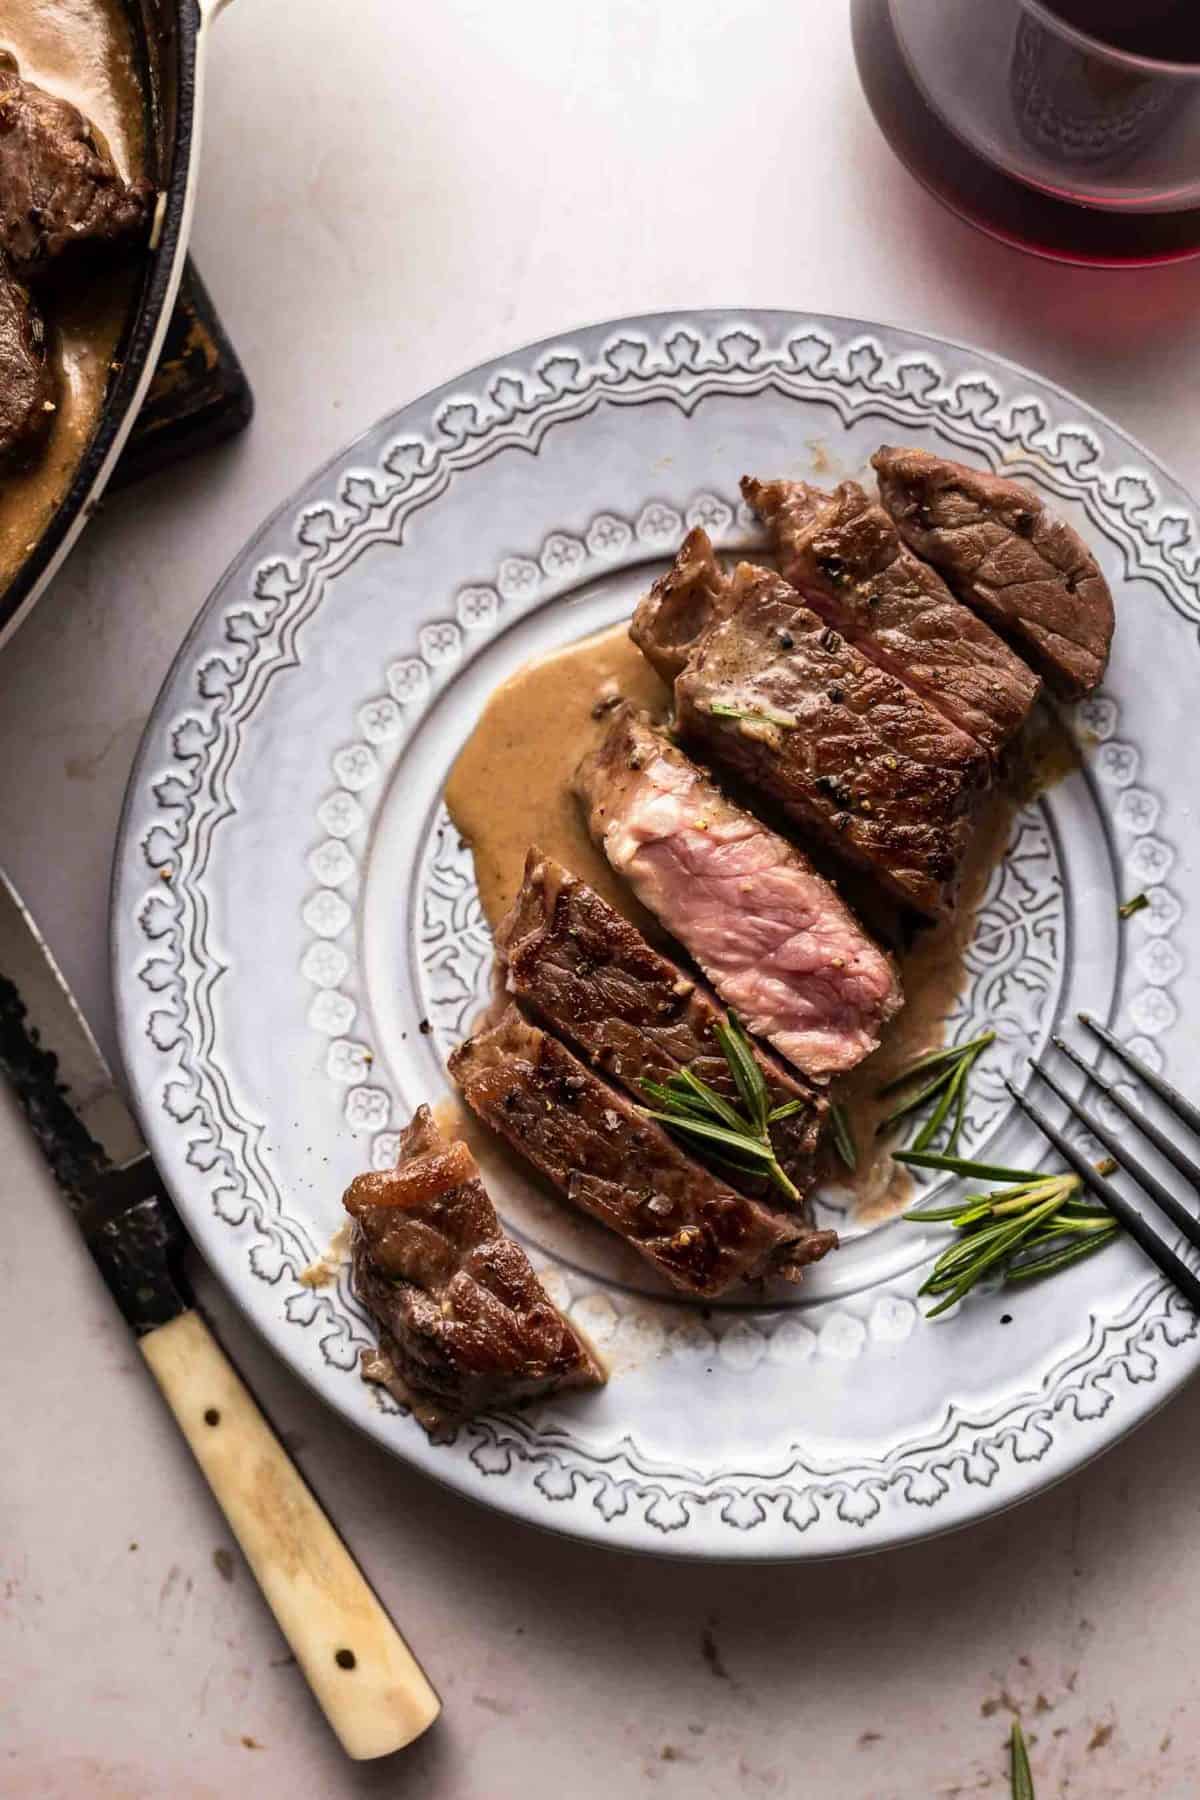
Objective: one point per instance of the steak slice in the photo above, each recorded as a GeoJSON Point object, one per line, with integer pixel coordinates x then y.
{"type": "Point", "coordinates": [681, 606]}
{"type": "Point", "coordinates": [26, 377]}
{"type": "Point", "coordinates": [621, 1168]}
{"type": "Point", "coordinates": [851, 565]}
{"type": "Point", "coordinates": [847, 749]}
{"type": "Point", "coordinates": [464, 1323]}
{"type": "Point", "coordinates": [772, 935]}
{"type": "Point", "coordinates": [1002, 552]}
{"type": "Point", "coordinates": [59, 186]}
{"type": "Point", "coordinates": [593, 978]}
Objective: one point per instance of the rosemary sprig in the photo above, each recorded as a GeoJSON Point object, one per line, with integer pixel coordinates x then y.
{"type": "Point", "coordinates": [738, 1138]}
{"type": "Point", "coordinates": [1127, 908]}
{"type": "Point", "coordinates": [950, 1069]}
{"type": "Point", "coordinates": [1020, 1772]}
{"type": "Point", "coordinates": [1035, 1225]}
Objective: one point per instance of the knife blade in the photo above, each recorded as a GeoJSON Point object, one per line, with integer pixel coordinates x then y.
{"type": "Point", "coordinates": [363, 1675]}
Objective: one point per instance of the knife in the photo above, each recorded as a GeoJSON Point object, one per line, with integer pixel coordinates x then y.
{"type": "Point", "coordinates": [362, 1674]}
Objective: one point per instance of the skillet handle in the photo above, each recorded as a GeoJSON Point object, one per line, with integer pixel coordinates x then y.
{"type": "Point", "coordinates": [362, 1673]}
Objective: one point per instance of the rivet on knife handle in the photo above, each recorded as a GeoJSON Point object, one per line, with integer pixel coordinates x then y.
{"type": "Point", "coordinates": [365, 1679]}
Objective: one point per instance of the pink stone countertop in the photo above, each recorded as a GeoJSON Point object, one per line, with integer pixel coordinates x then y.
{"type": "Point", "coordinates": [381, 208]}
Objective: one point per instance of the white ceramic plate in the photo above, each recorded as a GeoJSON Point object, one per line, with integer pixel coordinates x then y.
{"type": "Point", "coordinates": [290, 905]}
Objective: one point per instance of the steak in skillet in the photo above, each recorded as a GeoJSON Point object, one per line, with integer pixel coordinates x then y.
{"type": "Point", "coordinates": [1005, 555]}
{"type": "Point", "coordinates": [59, 186]}
{"type": "Point", "coordinates": [851, 565]}
{"type": "Point", "coordinates": [26, 379]}
{"type": "Point", "coordinates": [772, 934]}
{"type": "Point", "coordinates": [464, 1322]}
{"type": "Point", "coordinates": [591, 976]}
{"type": "Point", "coordinates": [621, 1168]}
{"type": "Point", "coordinates": [851, 752]}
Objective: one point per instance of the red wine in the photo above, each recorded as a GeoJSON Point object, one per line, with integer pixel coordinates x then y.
{"type": "Point", "coordinates": [1168, 30]}
{"type": "Point", "coordinates": [1051, 225]}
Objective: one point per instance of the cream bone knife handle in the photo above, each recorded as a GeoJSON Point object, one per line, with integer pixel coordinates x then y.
{"type": "Point", "coordinates": [366, 1680]}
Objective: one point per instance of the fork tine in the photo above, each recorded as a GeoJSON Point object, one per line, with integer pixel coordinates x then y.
{"type": "Point", "coordinates": [1172, 1266]}
{"type": "Point", "coordinates": [1170, 1096]}
{"type": "Point", "coordinates": [1147, 1127]}
{"type": "Point", "coordinates": [1162, 1196]}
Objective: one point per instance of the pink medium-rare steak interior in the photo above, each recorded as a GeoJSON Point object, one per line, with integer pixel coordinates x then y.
{"type": "Point", "coordinates": [771, 933]}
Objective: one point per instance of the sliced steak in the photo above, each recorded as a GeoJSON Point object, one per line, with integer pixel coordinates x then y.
{"type": "Point", "coordinates": [681, 606]}
{"type": "Point", "coordinates": [593, 978]}
{"type": "Point", "coordinates": [772, 935]}
{"type": "Point", "coordinates": [59, 186]}
{"type": "Point", "coordinates": [464, 1323]}
{"type": "Point", "coordinates": [27, 385]}
{"type": "Point", "coordinates": [1009, 558]}
{"type": "Point", "coordinates": [621, 1168]}
{"type": "Point", "coordinates": [852, 566]}
{"type": "Point", "coordinates": [851, 752]}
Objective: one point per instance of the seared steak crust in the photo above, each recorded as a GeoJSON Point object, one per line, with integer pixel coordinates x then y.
{"type": "Point", "coordinates": [772, 935]}
{"type": "Point", "coordinates": [851, 565]}
{"type": "Point", "coordinates": [681, 606]}
{"type": "Point", "coordinates": [59, 186]}
{"type": "Point", "coordinates": [26, 378]}
{"type": "Point", "coordinates": [464, 1322]}
{"type": "Point", "coordinates": [782, 698]}
{"type": "Point", "coordinates": [621, 1168]}
{"type": "Point", "coordinates": [593, 978]}
{"type": "Point", "coordinates": [1005, 555]}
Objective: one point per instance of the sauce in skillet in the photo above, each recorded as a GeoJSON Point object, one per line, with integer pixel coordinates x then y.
{"type": "Point", "coordinates": [82, 50]}
{"type": "Point", "coordinates": [511, 787]}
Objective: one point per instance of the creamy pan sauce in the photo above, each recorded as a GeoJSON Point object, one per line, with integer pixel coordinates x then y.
{"type": "Point", "coordinates": [82, 50]}
{"type": "Point", "coordinates": [511, 787]}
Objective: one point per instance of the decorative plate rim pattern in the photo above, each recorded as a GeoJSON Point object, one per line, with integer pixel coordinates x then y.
{"type": "Point", "coordinates": [168, 1036]}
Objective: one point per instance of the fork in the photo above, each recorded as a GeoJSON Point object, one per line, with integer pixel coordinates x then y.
{"type": "Point", "coordinates": [1143, 1233]}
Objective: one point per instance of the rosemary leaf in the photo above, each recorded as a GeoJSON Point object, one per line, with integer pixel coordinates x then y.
{"type": "Point", "coordinates": [786, 1110]}
{"type": "Point", "coordinates": [961, 1165]}
{"type": "Point", "coordinates": [1029, 1268]}
{"type": "Point", "coordinates": [937, 1117]}
{"type": "Point", "coordinates": [748, 1077]}
{"type": "Point", "coordinates": [1020, 1772]}
{"type": "Point", "coordinates": [764, 715]}
{"type": "Point", "coordinates": [716, 1103]}
{"type": "Point", "coordinates": [739, 1142]}
{"type": "Point", "coordinates": [949, 1053]}
{"type": "Point", "coordinates": [919, 1099]}
{"type": "Point", "coordinates": [960, 1113]}
{"type": "Point", "coordinates": [842, 1139]}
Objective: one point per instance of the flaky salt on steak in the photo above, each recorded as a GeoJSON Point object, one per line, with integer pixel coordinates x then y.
{"type": "Point", "coordinates": [1009, 558]}
{"type": "Point", "coordinates": [26, 378]}
{"type": "Point", "coordinates": [772, 935]}
{"type": "Point", "coordinates": [59, 187]}
{"type": "Point", "coordinates": [852, 566]}
{"type": "Point", "coordinates": [464, 1323]}
{"type": "Point", "coordinates": [783, 700]}
{"type": "Point", "coordinates": [621, 1168]}
{"type": "Point", "coordinates": [591, 976]}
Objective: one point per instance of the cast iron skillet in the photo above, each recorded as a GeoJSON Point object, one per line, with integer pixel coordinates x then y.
{"type": "Point", "coordinates": [171, 38]}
